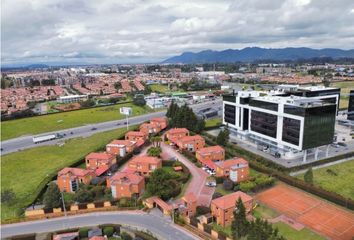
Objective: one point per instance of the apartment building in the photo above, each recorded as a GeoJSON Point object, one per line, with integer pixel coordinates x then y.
{"type": "Point", "coordinates": [162, 121]}
{"type": "Point", "coordinates": [213, 153]}
{"type": "Point", "coordinates": [191, 143]}
{"type": "Point", "coordinates": [236, 169]}
{"type": "Point", "coordinates": [174, 134]}
{"type": "Point", "coordinates": [144, 165]}
{"type": "Point", "coordinates": [126, 184]}
{"type": "Point", "coordinates": [150, 128]}
{"type": "Point", "coordinates": [68, 179]}
{"type": "Point", "coordinates": [120, 147]}
{"type": "Point", "coordinates": [222, 208]}
{"type": "Point", "coordinates": [281, 121]}
{"type": "Point", "coordinates": [188, 207]}
{"type": "Point", "coordinates": [97, 160]}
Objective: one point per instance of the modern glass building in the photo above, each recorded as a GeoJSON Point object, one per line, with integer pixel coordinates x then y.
{"type": "Point", "coordinates": [351, 106]}
{"type": "Point", "coordinates": [281, 122]}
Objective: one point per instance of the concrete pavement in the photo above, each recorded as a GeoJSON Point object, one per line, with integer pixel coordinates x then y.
{"type": "Point", "coordinates": [138, 219]}
{"type": "Point", "coordinates": [197, 184]}
{"type": "Point", "coordinates": [25, 142]}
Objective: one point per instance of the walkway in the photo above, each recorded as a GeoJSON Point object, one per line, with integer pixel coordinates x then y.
{"type": "Point", "coordinates": [197, 184]}
{"type": "Point", "coordinates": [141, 220]}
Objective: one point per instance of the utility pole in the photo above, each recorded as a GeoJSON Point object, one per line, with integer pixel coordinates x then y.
{"type": "Point", "coordinates": [62, 199]}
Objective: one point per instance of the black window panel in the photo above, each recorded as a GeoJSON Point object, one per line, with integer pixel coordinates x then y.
{"type": "Point", "coordinates": [245, 119]}
{"type": "Point", "coordinates": [294, 110]}
{"type": "Point", "coordinates": [244, 100]}
{"type": "Point", "coordinates": [319, 126]}
{"type": "Point", "coordinates": [291, 130]}
{"type": "Point", "coordinates": [351, 106]}
{"type": "Point", "coordinates": [229, 98]}
{"type": "Point", "coordinates": [264, 123]}
{"type": "Point", "coordinates": [229, 114]}
{"type": "Point", "coordinates": [263, 104]}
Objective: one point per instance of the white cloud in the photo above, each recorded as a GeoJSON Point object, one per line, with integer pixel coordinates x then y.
{"type": "Point", "coordinates": [147, 30]}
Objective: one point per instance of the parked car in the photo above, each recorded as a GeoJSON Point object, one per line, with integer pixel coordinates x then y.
{"type": "Point", "coordinates": [342, 144]}
{"type": "Point", "coordinates": [93, 129]}
{"type": "Point", "coordinates": [210, 184]}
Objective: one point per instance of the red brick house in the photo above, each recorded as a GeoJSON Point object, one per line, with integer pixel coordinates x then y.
{"type": "Point", "coordinates": [144, 165]}
{"type": "Point", "coordinates": [150, 128]}
{"type": "Point", "coordinates": [97, 160]}
{"type": "Point", "coordinates": [213, 153]}
{"type": "Point", "coordinates": [189, 205]}
{"type": "Point", "coordinates": [162, 121]}
{"type": "Point", "coordinates": [120, 147]}
{"type": "Point", "coordinates": [68, 179]}
{"type": "Point", "coordinates": [174, 134]}
{"type": "Point", "coordinates": [191, 143]}
{"type": "Point", "coordinates": [222, 208]}
{"type": "Point", "coordinates": [126, 184]}
{"type": "Point", "coordinates": [236, 169]}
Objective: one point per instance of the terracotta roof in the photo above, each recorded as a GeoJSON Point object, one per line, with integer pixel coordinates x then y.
{"type": "Point", "coordinates": [70, 235]}
{"type": "Point", "coordinates": [178, 168]}
{"type": "Point", "coordinates": [209, 150]}
{"type": "Point", "coordinates": [189, 197]}
{"type": "Point", "coordinates": [98, 238]}
{"type": "Point", "coordinates": [178, 130]}
{"type": "Point", "coordinates": [229, 201]}
{"type": "Point", "coordinates": [146, 159]}
{"type": "Point", "coordinates": [159, 119]}
{"type": "Point", "coordinates": [126, 177]}
{"type": "Point", "coordinates": [231, 162]}
{"type": "Point", "coordinates": [136, 133]}
{"type": "Point", "coordinates": [99, 171]}
{"type": "Point", "coordinates": [191, 138]}
{"type": "Point", "coordinates": [74, 171]}
{"type": "Point", "coordinates": [121, 142]}
{"type": "Point", "coordinates": [209, 164]}
{"type": "Point", "coordinates": [101, 156]}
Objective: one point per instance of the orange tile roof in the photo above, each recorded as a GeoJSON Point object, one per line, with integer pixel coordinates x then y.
{"type": "Point", "coordinates": [98, 238]}
{"type": "Point", "coordinates": [209, 150]}
{"type": "Point", "coordinates": [229, 201]}
{"type": "Point", "coordinates": [159, 119]}
{"type": "Point", "coordinates": [231, 162]}
{"type": "Point", "coordinates": [146, 159]}
{"type": "Point", "coordinates": [75, 171]}
{"type": "Point", "coordinates": [178, 130]}
{"type": "Point", "coordinates": [101, 156]}
{"type": "Point", "coordinates": [136, 133]}
{"type": "Point", "coordinates": [191, 138]}
{"type": "Point", "coordinates": [189, 197]}
{"type": "Point", "coordinates": [126, 177]}
{"type": "Point", "coordinates": [122, 142]}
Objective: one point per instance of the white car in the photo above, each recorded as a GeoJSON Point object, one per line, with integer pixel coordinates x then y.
{"type": "Point", "coordinates": [210, 184]}
{"type": "Point", "coordinates": [204, 168]}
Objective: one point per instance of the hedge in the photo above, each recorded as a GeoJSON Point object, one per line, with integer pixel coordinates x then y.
{"type": "Point", "coordinates": [83, 232]}
{"type": "Point", "coordinates": [108, 231]}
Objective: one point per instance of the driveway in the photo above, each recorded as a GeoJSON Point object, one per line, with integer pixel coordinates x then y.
{"type": "Point", "coordinates": [199, 177]}
{"type": "Point", "coordinates": [141, 220]}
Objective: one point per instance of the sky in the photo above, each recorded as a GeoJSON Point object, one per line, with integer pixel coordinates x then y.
{"type": "Point", "coordinates": [144, 31]}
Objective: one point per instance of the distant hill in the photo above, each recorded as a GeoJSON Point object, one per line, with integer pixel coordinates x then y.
{"type": "Point", "coordinates": [37, 65]}
{"type": "Point", "coordinates": [251, 54]}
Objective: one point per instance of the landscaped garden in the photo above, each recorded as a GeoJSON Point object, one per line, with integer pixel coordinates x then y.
{"type": "Point", "coordinates": [26, 172]}
{"type": "Point", "coordinates": [58, 121]}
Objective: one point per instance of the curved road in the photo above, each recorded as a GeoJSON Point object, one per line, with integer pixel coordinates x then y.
{"type": "Point", "coordinates": [141, 220]}
{"type": "Point", "coordinates": [24, 142]}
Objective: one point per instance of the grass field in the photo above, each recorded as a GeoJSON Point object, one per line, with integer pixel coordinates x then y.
{"type": "Point", "coordinates": [345, 89]}
{"type": "Point", "coordinates": [159, 88]}
{"type": "Point", "coordinates": [337, 178]}
{"type": "Point", "coordinates": [28, 171]}
{"type": "Point", "coordinates": [264, 212]}
{"type": "Point", "coordinates": [213, 122]}
{"type": "Point", "coordinates": [292, 234]}
{"type": "Point", "coordinates": [53, 122]}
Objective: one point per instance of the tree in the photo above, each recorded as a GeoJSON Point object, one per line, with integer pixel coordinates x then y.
{"type": "Point", "coordinates": [161, 184]}
{"type": "Point", "coordinates": [88, 103]}
{"type": "Point", "coordinates": [239, 225]}
{"type": "Point", "coordinates": [223, 137]}
{"type": "Point", "coordinates": [52, 197]}
{"type": "Point", "coordinates": [156, 140]}
{"type": "Point", "coordinates": [139, 100]}
{"type": "Point", "coordinates": [261, 229]}
{"type": "Point", "coordinates": [83, 195]}
{"type": "Point", "coordinates": [228, 185]}
{"type": "Point", "coordinates": [308, 176]}
{"type": "Point", "coordinates": [7, 196]}
{"type": "Point", "coordinates": [154, 151]}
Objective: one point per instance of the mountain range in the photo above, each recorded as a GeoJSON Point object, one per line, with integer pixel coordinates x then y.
{"type": "Point", "coordinates": [251, 54]}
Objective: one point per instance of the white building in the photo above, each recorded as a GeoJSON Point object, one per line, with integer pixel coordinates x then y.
{"type": "Point", "coordinates": [72, 98]}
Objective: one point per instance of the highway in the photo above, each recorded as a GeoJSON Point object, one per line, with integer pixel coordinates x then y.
{"type": "Point", "coordinates": [25, 142]}
{"type": "Point", "coordinates": [143, 221]}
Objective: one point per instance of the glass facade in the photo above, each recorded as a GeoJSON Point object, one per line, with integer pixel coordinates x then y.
{"type": "Point", "coordinates": [294, 110]}
{"type": "Point", "coordinates": [264, 105]}
{"type": "Point", "coordinates": [291, 130]}
{"type": "Point", "coordinates": [264, 123]}
{"type": "Point", "coordinates": [245, 119]}
{"type": "Point", "coordinates": [319, 126]}
{"type": "Point", "coordinates": [229, 98]}
{"type": "Point", "coordinates": [230, 114]}
{"type": "Point", "coordinates": [244, 100]}
{"type": "Point", "coordinates": [351, 106]}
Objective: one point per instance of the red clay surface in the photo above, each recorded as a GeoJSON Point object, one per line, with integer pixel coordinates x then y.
{"type": "Point", "coordinates": [319, 215]}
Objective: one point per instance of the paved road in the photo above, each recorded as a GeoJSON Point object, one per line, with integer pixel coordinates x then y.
{"type": "Point", "coordinates": [141, 220]}
{"type": "Point", "coordinates": [25, 142]}
{"type": "Point", "coordinates": [197, 184]}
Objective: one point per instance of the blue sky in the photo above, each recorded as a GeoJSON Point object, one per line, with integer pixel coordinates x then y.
{"type": "Point", "coordinates": [129, 31]}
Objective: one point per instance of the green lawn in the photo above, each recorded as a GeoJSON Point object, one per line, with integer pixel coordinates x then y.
{"type": "Point", "coordinates": [345, 89]}
{"type": "Point", "coordinates": [159, 88]}
{"type": "Point", "coordinates": [28, 171]}
{"type": "Point", "coordinates": [264, 212]}
{"type": "Point", "coordinates": [53, 122]}
{"type": "Point", "coordinates": [213, 122]}
{"type": "Point", "coordinates": [337, 178]}
{"type": "Point", "coordinates": [220, 189]}
{"type": "Point", "coordinates": [218, 228]}
{"type": "Point", "coordinates": [292, 234]}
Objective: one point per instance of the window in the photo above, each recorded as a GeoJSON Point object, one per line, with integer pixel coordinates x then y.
{"type": "Point", "coordinates": [291, 130]}
{"type": "Point", "coordinates": [264, 123]}
{"type": "Point", "coordinates": [265, 105]}
{"type": "Point", "coordinates": [229, 114]}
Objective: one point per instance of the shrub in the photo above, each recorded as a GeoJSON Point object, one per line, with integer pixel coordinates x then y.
{"type": "Point", "coordinates": [219, 180]}
{"type": "Point", "coordinates": [216, 195]}
{"type": "Point", "coordinates": [228, 185]}
{"type": "Point", "coordinates": [201, 210]}
{"type": "Point", "coordinates": [83, 232]}
{"type": "Point", "coordinates": [126, 236]}
{"type": "Point", "coordinates": [7, 196]}
{"type": "Point", "coordinates": [154, 151]}
{"type": "Point", "coordinates": [247, 186]}
{"type": "Point", "coordinates": [108, 231]}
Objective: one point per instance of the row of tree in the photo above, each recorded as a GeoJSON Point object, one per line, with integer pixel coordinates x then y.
{"type": "Point", "coordinates": [184, 117]}
{"type": "Point", "coordinates": [251, 230]}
